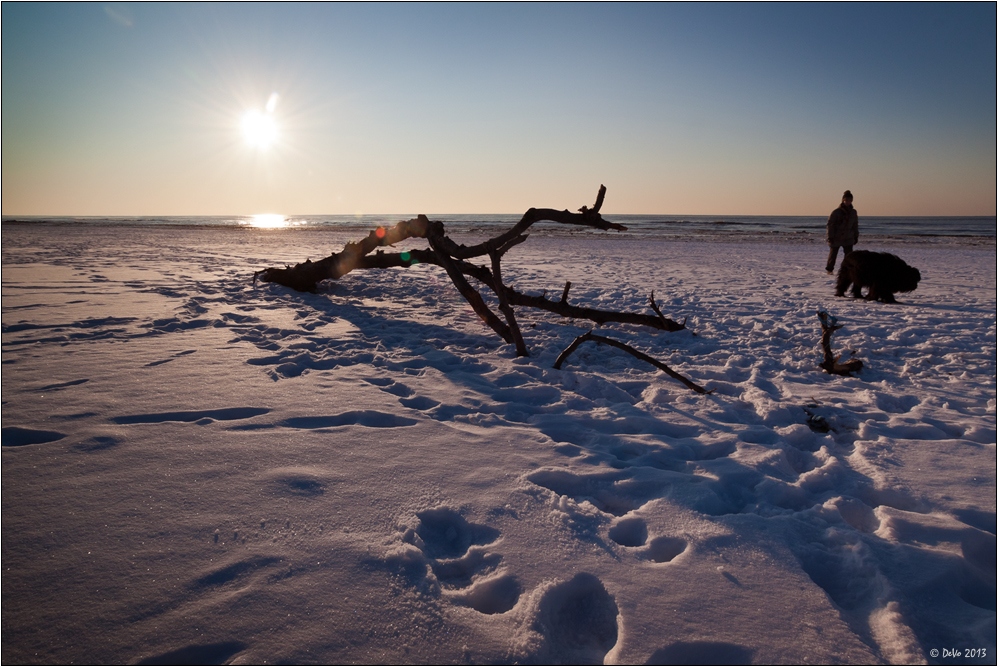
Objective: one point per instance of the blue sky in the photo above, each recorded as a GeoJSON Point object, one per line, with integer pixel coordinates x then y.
{"type": "Point", "coordinates": [136, 109]}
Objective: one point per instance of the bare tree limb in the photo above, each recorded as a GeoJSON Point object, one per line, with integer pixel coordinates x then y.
{"type": "Point", "coordinates": [305, 276]}
{"type": "Point", "coordinates": [589, 335]}
{"type": "Point", "coordinates": [669, 325]}
{"type": "Point", "coordinates": [504, 307]}
{"type": "Point", "coordinates": [468, 292]}
{"type": "Point", "coordinates": [564, 294]}
{"type": "Point", "coordinates": [453, 258]}
{"type": "Point", "coordinates": [593, 314]}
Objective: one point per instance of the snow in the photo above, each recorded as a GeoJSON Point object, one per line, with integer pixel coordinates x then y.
{"type": "Point", "coordinates": [199, 469]}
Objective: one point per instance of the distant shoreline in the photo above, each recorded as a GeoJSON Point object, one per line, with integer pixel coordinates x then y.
{"type": "Point", "coordinates": [956, 230]}
{"type": "Point", "coordinates": [337, 234]}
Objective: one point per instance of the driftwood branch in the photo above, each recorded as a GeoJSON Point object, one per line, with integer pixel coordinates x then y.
{"type": "Point", "coordinates": [589, 335]}
{"type": "Point", "coordinates": [564, 294]}
{"type": "Point", "coordinates": [453, 258]}
{"type": "Point", "coordinates": [507, 310]}
{"type": "Point", "coordinates": [667, 324]}
{"type": "Point", "coordinates": [304, 277]}
{"type": "Point", "coordinates": [831, 363]}
{"type": "Point", "coordinates": [599, 202]}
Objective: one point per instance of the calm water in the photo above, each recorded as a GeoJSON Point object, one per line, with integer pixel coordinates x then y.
{"type": "Point", "coordinates": [640, 225]}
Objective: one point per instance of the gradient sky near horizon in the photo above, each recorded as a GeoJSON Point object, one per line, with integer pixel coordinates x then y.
{"type": "Point", "coordinates": [753, 109]}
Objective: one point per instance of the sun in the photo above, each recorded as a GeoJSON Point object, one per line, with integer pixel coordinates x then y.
{"type": "Point", "coordinates": [259, 128]}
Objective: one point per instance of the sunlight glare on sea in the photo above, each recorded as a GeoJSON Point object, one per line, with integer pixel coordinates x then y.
{"type": "Point", "coordinates": [270, 221]}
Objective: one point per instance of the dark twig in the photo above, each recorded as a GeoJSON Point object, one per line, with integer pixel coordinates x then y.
{"type": "Point", "coordinates": [564, 294]}
{"type": "Point", "coordinates": [589, 335]}
{"type": "Point", "coordinates": [831, 363]}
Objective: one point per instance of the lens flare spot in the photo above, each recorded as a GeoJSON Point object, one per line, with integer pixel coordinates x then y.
{"type": "Point", "coordinates": [380, 232]}
{"type": "Point", "coordinates": [272, 102]}
{"type": "Point", "coordinates": [406, 257]}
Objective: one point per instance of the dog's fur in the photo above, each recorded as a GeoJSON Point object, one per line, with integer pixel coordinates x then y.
{"type": "Point", "coordinates": [883, 273]}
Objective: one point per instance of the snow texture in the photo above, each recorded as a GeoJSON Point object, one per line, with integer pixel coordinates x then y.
{"type": "Point", "coordinates": [200, 470]}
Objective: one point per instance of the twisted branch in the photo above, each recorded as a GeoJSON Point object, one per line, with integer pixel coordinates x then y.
{"type": "Point", "coordinates": [589, 335]}
{"type": "Point", "coordinates": [453, 257]}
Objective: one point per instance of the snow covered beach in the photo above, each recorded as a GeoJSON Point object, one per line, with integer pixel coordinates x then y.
{"type": "Point", "coordinates": [198, 469]}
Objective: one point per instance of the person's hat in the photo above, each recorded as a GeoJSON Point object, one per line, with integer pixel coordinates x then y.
{"type": "Point", "coordinates": [847, 195]}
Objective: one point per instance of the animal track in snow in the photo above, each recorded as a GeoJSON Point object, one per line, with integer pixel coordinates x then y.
{"type": "Point", "coordinates": [421, 403]}
{"type": "Point", "coordinates": [460, 572]}
{"type": "Point", "coordinates": [405, 394]}
{"type": "Point", "coordinates": [446, 534]}
{"type": "Point", "coordinates": [496, 595]}
{"type": "Point", "coordinates": [629, 532]}
{"type": "Point", "coordinates": [664, 549]}
{"type": "Point", "coordinates": [456, 552]}
{"type": "Point", "coordinates": [578, 620]}
{"type": "Point", "coordinates": [615, 492]}
{"type": "Point", "coordinates": [632, 532]}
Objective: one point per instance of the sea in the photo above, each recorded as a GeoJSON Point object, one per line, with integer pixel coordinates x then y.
{"type": "Point", "coordinates": [810, 228]}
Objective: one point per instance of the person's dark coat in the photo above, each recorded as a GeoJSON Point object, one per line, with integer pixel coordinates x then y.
{"type": "Point", "coordinates": [843, 227]}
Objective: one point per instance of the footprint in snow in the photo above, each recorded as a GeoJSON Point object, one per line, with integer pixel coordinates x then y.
{"type": "Point", "coordinates": [632, 532]}
{"type": "Point", "coordinates": [496, 595]}
{"type": "Point", "coordinates": [609, 492]}
{"type": "Point", "coordinates": [664, 549]}
{"type": "Point", "coordinates": [457, 553]}
{"type": "Point", "coordinates": [629, 532]}
{"type": "Point", "coordinates": [578, 620]}
{"type": "Point", "coordinates": [405, 394]}
{"type": "Point", "coordinates": [444, 533]}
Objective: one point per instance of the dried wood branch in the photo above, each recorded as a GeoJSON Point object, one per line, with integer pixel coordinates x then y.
{"type": "Point", "coordinates": [669, 325]}
{"type": "Point", "coordinates": [564, 294]}
{"type": "Point", "coordinates": [507, 310]}
{"type": "Point", "coordinates": [589, 335]}
{"type": "Point", "coordinates": [304, 277]}
{"type": "Point", "coordinates": [454, 258]}
{"type": "Point", "coordinates": [831, 363]}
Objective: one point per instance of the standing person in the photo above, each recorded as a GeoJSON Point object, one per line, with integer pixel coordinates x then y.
{"type": "Point", "coordinates": [843, 230]}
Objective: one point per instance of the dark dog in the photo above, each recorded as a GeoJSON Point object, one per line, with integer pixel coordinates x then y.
{"type": "Point", "coordinates": [883, 273]}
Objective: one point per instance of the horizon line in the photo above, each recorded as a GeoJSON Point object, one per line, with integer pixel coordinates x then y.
{"type": "Point", "coordinates": [5, 216]}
